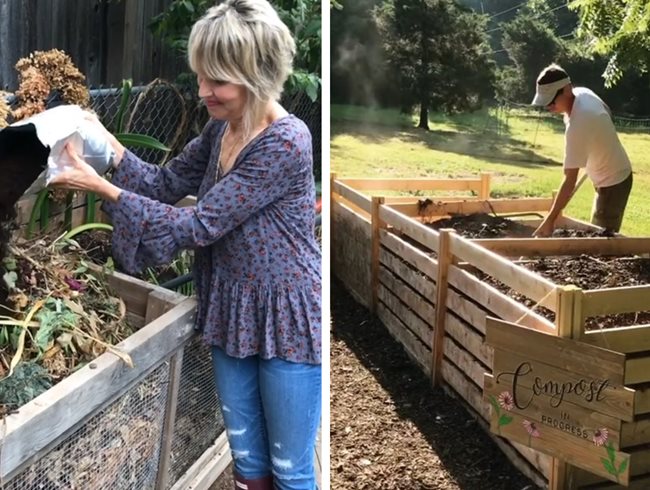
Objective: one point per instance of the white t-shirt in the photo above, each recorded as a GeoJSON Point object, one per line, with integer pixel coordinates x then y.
{"type": "Point", "coordinates": [591, 142]}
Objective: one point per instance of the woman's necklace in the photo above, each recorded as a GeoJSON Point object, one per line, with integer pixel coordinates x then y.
{"type": "Point", "coordinates": [224, 163]}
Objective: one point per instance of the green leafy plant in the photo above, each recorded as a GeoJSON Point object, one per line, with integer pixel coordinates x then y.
{"type": "Point", "coordinates": [610, 462]}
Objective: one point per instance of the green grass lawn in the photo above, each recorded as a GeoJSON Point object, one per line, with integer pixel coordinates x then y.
{"type": "Point", "coordinates": [524, 156]}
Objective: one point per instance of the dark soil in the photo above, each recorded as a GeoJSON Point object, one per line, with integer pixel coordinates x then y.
{"type": "Point", "coordinates": [97, 244]}
{"type": "Point", "coordinates": [389, 428]}
{"type": "Point", "coordinates": [588, 272]}
{"type": "Point", "coordinates": [481, 225]}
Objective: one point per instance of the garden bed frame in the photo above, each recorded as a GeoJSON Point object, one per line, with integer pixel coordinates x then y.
{"type": "Point", "coordinates": [404, 285]}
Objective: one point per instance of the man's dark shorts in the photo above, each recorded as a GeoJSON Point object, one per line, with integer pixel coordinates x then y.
{"type": "Point", "coordinates": [609, 205]}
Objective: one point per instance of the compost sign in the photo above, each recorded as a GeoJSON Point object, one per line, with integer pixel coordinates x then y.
{"type": "Point", "coordinates": [559, 396]}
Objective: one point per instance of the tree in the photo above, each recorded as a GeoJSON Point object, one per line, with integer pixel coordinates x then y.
{"type": "Point", "coordinates": [619, 30]}
{"type": "Point", "coordinates": [303, 17]}
{"type": "Point", "coordinates": [439, 54]}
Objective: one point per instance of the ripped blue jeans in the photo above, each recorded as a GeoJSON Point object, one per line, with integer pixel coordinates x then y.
{"type": "Point", "coordinates": [271, 409]}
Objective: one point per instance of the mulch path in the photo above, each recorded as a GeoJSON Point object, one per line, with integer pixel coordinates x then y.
{"type": "Point", "coordinates": [389, 428]}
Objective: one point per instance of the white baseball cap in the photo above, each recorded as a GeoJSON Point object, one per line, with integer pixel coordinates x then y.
{"type": "Point", "coordinates": [546, 93]}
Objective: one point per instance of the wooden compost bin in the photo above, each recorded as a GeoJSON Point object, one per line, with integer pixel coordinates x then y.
{"type": "Point", "coordinates": [404, 284]}
{"type": "Point", "coordinates": [125, 419]}
{"type": "Point", "coordinates": [159, 422]}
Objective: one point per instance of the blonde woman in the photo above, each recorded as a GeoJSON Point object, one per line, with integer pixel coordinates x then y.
{"type": "Point", "coordinates": [257, 264]}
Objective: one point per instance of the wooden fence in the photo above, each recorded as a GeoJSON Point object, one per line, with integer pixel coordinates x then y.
{"type": "Point", "coordinates": [107, 40]}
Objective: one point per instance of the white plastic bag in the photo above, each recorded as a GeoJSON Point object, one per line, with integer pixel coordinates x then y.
{"type": "Point", "coordinates": [57, 127]}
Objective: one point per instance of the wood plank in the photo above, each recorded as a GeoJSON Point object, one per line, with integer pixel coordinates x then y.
{"type": "Point", "coordinates": [515, 276]}
{"type": "Point", "coordinates": [134, 292]}
{"type": "Point", "coordinates": [496, 302]}
{"type": "Point", "coordinates": [417, 231]}
{"type": "Point", "coordinates": [544, 247]}
{"type": "Point", "coordinates": [574, 451]}
{"type": "Point", "coordinates": [568, 355]}
{"type": "Point", "coordinates": [464, 361]}
{"type": "Point", "coordinates": [410, 297]}
{"type": "Point", "coordinates": [436, 198]}
{"type": "Point", "coordinates": [164, 462]}
{"type": "Point", "coordinates": [642, 399]}
{"type": "Point", "coordinates": [376, 223]}
{"type": "Point", "coordinates": [355, 197]}
{"type": "Point", "coordinates": [160, 301]}
{"type": "Point", "coordinates": [639, 468]}
{"type": "Point", "coordinates": [470, 339]}
{"type": "Point", "coordinates": [635, 433]}
{"type": "Point", "coordinates": [462, 307]}
{"type": "Point", "coordinates": [616, 401]}
{"type": "Point", "coordinates": [413, 322]}
{"type": "Point", "coordinates": [444, 259]}
{"type": "Point", "coordinates": [207, 469]}
{"type": "Point", "coordinates": [637, 370]}
{"type": "Point", "coordinates": [413, 255]}
{"type": "Point", "coordinates": [462, 385]}
{"type": "Point", "coordinates": [616, 300]}
{"type": "Point", "coordinates": [42, 421]}
{"type": "Point", "coordinates": [499, 206]}
{"type": "Point", "coordinates": [378, 184]}
{"type": "Point", "coordinates": [424, 286]}
{"type": "Point", "coordinates": [626, 340]}
{"type": "Point", "coordinates": [411, 344]}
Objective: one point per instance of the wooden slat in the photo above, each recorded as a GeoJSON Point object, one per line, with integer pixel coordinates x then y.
{"type": "Point", "coordinates": [350, 194]}
{"type": "Point", "coordinates": [622, 339]}
{"type": "Point", "coordinates": [409, 296]}
{"type": "Point", "coordinates": [473, 207]}
{"type": "Point", "coordinates": [425, 287]}
{"type": "Point", "coordinates": [414, 256]}
{"type": "Point", "coordinates": [134, 292]}
{"type": "Point", "coordinates": [464, 361]}
{"type": "Point", "coordinates": [639, 467]}
{"type": "Point", "coordinates": [642, 400]}
{"type": "Point", "coordinates": [637, 370]}
{"type": "Point", "coordinates": [466, 388]}
{"type": "Point", "coordinates": [635, 433]}
{"type": "Point", "coordinates": [417, 231]}
{"type": "Point", "coordinates": [413, 322]}
{"type": "Point", "coordinates": [210, 465]}
{"type": "Point", "coordinates": [467, 310]}
{"type": "Point", "coordinates": [570, 356]}
{"type": "Point", "coordinates": [40, 422]}
{"type": "Point", "coordinates": [496, 302]}
{"type": "Point", "coordinates": [411, 344]}
{"type": "Point", "coordinates": [444, 259]}
{"type": "Point", "coordinates": [517, 277]}
{"type": "Point", "coordinates": [543, 247]}
{"type": "Point", "coordinates": [376, 224]}
{"type": "Point", "coordinates": [616, 300]}
{"type": "Point", "coordinates": [416, 199]}
{"type": "Point", "coordinates": [374, 184]}
{"type": "Point", "coordinates": [469, 339]}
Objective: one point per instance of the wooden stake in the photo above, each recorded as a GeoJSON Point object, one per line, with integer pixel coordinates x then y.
{"type": "Point", "coordinates": [444, 259]}
{"type": "Point", "coordinates": [376, 225]}
{"type": "Point", "coordinates": [484, 193]}
{"type": "Point", "coordinates": [568, 314]}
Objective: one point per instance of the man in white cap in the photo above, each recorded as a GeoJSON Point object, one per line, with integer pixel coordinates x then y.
{"type": "Point", "coordinates": [590, 142]}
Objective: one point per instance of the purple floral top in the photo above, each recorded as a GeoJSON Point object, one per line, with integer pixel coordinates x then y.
{"type": "Point", "coordinates": [257, 263]}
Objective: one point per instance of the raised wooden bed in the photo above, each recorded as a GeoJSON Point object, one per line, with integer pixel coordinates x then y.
{"type": "Point", "coordinates": [374, 254]}
{"type": "Point", "coordinates": [156, 425]}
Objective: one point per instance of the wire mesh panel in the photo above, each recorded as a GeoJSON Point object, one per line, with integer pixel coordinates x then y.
{"type": "Point", "coordinates": [117, 449]}
{"type": "Point", "coordinates": [198, 415]}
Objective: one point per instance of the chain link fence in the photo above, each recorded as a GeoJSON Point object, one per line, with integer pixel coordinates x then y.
{"type": "Point", "coordinates": [174, 115]}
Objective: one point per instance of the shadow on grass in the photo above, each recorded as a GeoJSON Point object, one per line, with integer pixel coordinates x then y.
{"type": "Point", "coordinates": [465, 450]}
{"type": "Point", "coordinates": [479, 144]}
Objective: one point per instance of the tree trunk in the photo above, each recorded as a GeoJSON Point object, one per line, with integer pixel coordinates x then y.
{"type": "Point", "coordinates": [424, 116]}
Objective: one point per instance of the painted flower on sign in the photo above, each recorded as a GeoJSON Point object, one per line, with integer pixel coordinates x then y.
{"type": "Point", "coordinates": [600, 436]}
{"type": "Point", "coordinates": [531, 428]}
{"type": "Point", "coordinates": [506, 401]}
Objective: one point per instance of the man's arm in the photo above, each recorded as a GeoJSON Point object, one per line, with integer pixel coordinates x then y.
{"type": "Point", "coordinates": [562, 198]}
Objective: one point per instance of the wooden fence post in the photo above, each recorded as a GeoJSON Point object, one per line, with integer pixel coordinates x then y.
{"type": "Point", "coordinates": [331, 224]}
{"type": "Point", "coordinates": [376, 225]}
{"type": "Point", "coordinates": [568, 320]}
{"type": "Point", "coordinates": [438, 340]}
{"type": "Point", "coordinates": [484, 194]}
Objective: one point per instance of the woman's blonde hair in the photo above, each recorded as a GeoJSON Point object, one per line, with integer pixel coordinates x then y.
{"type": "Point", "coordinates": [244, 42]}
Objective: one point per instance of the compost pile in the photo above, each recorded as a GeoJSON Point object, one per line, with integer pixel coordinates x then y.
{"type": "Point", "coordinates": [587, 272]}
{"type": "Point", "coordinates": [389, 428]}
{"type": "Point", "coordinates": [56, 315]}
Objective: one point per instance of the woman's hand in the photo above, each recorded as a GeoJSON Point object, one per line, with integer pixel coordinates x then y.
{"type": "Point", "coordinates": [118, 147]}
{"type": "Point", "coordinates": [82, 177]}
